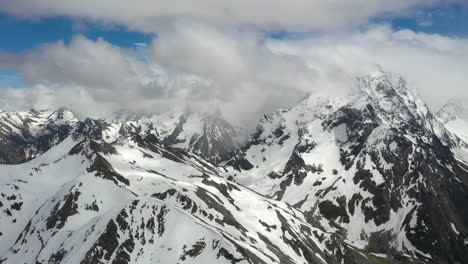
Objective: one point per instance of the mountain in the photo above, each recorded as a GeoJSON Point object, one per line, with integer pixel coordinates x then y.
{"type": "Point", "coordinates": [137, 200]}
{"type": "Point", "coordinates": [207, 135]}
{"type": "Point", "coordinates": [370, 177]}
{"type": "Point", "coordinates": [454, 116]}
{"type": "Point", "coordinates": [375, 167]}
{"type": "Point", "coordinates": [23, 135]}
{"type": "Point", "coordinates": [124, 116]}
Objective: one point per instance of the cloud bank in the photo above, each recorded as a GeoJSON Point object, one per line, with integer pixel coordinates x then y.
{"type": "Point", "coordinates": [237, 72]}
{"type": "Point", "coordinates": [294, 15]}
{"type": "Point", "coordinates": [435, 65]}
{"type": "Point", "coordinates": [214, 55]}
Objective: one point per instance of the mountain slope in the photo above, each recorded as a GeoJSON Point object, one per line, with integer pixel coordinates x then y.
{"type": "Point", "coordinates": [371, 166]}
{"type": "Point", "coordinates": [208, 136]}
{"type": "Point", "coordinates": [139, 201]}
{"type": "Point", "coordinates": [368, 178]}
{"type": "Point", "coordinates": [23, 135]}
{"type": "Point", "coordinates": [454, 116]}
{"type": "Point", "coordinates": [26, 134]}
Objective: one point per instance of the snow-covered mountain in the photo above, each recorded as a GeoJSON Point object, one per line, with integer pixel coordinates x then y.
{"type": "Point", "coordinates": [454, 116]}
{"type": "Point", "coordinates": [137, 200]}
{"type": "Point", "coordinates": [25, 134]}
{"type": "Point", "coordinates": [207, 135]}
{"type": "Point", "coordinates": [371, 177]}
{"type": "Point", "coordinates": [375, 167]}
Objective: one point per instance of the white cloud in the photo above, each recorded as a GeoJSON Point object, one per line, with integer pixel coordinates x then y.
{"type": "Point", "coordinates": [434, 64]}
{"type": "Point", "coordinates": [150, 15]}
{"type": "Point", "coordinates": [189, 65]}
{"type": "Point", "coordinates": [237, 71]}
{"type": "Point", "coordinates": [235, 62]}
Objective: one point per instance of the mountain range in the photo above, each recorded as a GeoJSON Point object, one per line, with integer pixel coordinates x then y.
{"type": "Point", "coordinates": [369, 177]}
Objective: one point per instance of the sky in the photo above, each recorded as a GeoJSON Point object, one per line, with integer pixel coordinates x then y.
{"type": "Point", "coordinates": [242, 58]}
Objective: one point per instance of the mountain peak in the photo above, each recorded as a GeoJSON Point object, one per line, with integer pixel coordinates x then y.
{"type": "Point", "coordinates": [353, 163]}
{"type": "Point", "coordinates": [125, 115]}
{"type": "Point", "coordinates": [205, 134]}
{"type": "Point", "coordinates": [397, 102]}
{"type": "Point", "coordinates": [454, 116]}
{"type": "Point", "coordinates": [63, 115]}
{"type": "Point", "coordinates": [388, 87]}
{"type": "Point", "coordinates": [453, 109]}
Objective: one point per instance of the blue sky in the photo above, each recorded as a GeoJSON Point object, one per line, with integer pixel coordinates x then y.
{"type": "Point", "coordinates": [21, 35]}
{"type": "Point", "coordinates": [12, 78]}
{"type": "Point", "coordinates": [447, 20]}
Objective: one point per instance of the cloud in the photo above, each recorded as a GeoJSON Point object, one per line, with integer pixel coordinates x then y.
{"type": "Point", "coordinates": [90, 63]}
{"type": "Point", "coordinates": [435, 65]}
{"type": "Point", "coordinates": [239, 72]}
{"type": "Point", "coordinates": [107, 73]}
{"type": "Point", "coordinates": [294, 15]}
{"type": "Point", "coordinates": [83, 70]}
{"type": "Point", "coordinates": [53, 96]}
{"type": "Point", "coordinates": [187, 66]}
{"type": "Point", "coordinates": [239, 68]}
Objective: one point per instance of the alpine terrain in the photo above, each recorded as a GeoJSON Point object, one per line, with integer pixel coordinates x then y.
{"type": "Point", "coordinates": [454, 115]}
{"type": "Point", "coordinates": [371, 177]}
{"type": "Point", "coordinates": [376, 167]}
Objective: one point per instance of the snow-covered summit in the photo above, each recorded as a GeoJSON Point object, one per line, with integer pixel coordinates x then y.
{"type": "Point", "coordinates": [125, 115]}
{"type": "Point", "coordinates": [207, 135]}
{"type": "Point", "coordinates": [23, 134]}
{"type": "Point", "coordinates": [455, 108]}
{"type": "Point", "coordinates": [392, 94]}
{"type": "Point", "coordinates": [454, 114]}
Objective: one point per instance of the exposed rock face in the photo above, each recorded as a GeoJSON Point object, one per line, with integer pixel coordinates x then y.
{"type": "Point", "coordinates": [372, 167]}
